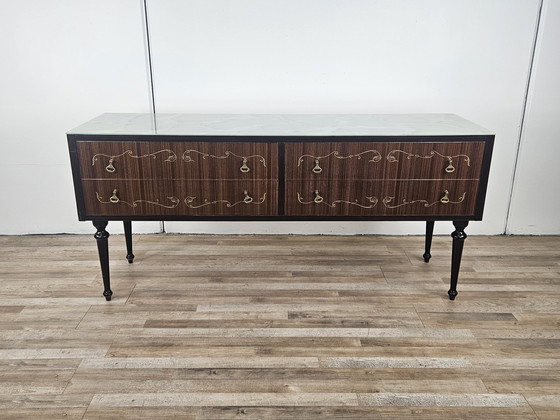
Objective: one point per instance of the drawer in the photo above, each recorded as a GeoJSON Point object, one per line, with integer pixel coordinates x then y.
{"type": "Point", "coordinates": [230, 160]}
{"type": "Point", "coordinates": [334, 160]}
{"type": "Point", "coordinates": [461, 160]}
{"type": "Point", "coordinates": [128, 160]}
{"type": "Point", "coordinates": [381, 198]}
{"type": "Point", "coordinates": [177, 160]}
{"type": "Point", "coordinates": [353, 160]}
{"type": "Point", "coordinates": [168, 197]}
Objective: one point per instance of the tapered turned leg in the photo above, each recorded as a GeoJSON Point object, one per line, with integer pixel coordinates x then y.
{"type": "Point", "coordinates": [428, 242]}
{"type": "Point", "coordinates": [102, 237]}
{"type": "Point", "coordinates": [128, 238]}
{"type": "Point", "coordinates": [459, 237]}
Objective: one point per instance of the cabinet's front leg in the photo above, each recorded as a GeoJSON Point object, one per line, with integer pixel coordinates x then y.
{"type": "Point", "coordinates": [459, 237]}
{"type": "Point", "coordinates": [428, 240]}
{"type": "Point", "coordinates": [128, 238]}
{"type": "Point", "coordinates": [102, 237]}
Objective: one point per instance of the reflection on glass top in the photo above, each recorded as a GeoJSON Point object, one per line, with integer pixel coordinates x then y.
{"type": "Point", "coordinates": [281, 125]}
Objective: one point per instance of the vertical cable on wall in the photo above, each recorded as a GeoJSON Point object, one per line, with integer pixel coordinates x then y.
{"type": "Point", "coordinates": [523, 113]}
{"type": "Point", "coordinates": [150, 75]}
{"type": "Point", "coordinates": [149, 55]}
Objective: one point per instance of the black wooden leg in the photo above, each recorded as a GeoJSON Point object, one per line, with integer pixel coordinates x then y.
{"type": "Point", "coordinates": [128, 237]}
{"type": "Point", "coordinates": [102, 237]}
{"type": "Point", "coordinates": [459, 237]}
{"type": "Point", "coordinates": [428, 243]}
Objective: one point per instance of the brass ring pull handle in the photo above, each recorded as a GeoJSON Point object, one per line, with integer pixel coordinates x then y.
{"type": "Point", "coordinates": [318, 199]}
{"type": "Point", "coordinates": [445, 198]}
{"type": "Point", "coordinates": [450, 168]}
{"type": "Point", "coordinates": [114, 199]}
{"type": "Point", "coordinates": [110, 167]}
{"type": "Point", "coordinates": [248, 199]}
{"type": "Point", "coordinates": [317, 169]}
{"type": "Point", "coordinates": [244, 168]}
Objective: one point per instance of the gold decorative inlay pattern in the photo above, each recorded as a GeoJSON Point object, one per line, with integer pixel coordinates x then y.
{"type": "Point", "coordinates": [317, 168]}
{"type": "Point", "coordinates": [114, 199]}
{"type": "Point", "coordinates": [247, 199]}
{"type": "Point", "coordinates": [111, 168]}
{"type": "Point", "coordinates": [244, 159]}
{"type": "Point", "coordinates": [443, 200]}
{"type": "Point", "coordinates": [319, 200]}
{"type": "Point", "coordinates": [449, 169]}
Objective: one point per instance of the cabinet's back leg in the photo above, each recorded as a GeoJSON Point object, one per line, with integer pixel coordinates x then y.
{"type": "Point", "coordinates": [128, 238]}
{"type": "Point", "coordinates": [428, 241]}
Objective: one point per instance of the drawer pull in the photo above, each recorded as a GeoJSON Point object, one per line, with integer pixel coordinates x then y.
{"type": "Point", "coordinates": [110, 167]}
{"type": "Point", "coordinates": [248, 199]}
{"type": "Point", "coordinates": [244, 168]}
{"type": "Point", "coordinates": [445, 198]}
{"type": "Point", "coordinates": [317, 169]}
{"type": "Point", "coordinates": [450, 168]}
{"type": "Point", "coordinates": [318, 199]}
{"type": "Point", "coordinates": [114, 199]}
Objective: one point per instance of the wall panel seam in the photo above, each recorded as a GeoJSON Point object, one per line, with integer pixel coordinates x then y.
{"type": "Point", "coordinates": [150, 73]}
{"type": "Point", "coordinates": [523, 114]}
{"type": "Point", "coordinates": [149, 55]}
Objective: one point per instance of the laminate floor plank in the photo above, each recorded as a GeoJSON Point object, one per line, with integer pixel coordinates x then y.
{"type": "Point", "coordinates": [546, 406]}
{"type": "Point", "coordinates": [382, 413]}
{"type": "Point", "coordinates": [265, 326]}
{"type": "Point", "coordinates": [142, 384]}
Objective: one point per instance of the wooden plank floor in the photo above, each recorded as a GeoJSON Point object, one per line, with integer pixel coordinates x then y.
{"type": "Point", "coordinates": [257, 327]}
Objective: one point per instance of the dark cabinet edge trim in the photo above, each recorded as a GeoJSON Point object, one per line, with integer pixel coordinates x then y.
{"type": "Point", "coordinates": [279, 139]}
{"type": "Point", "coordinates": [484, 176]}
{"type": "Point", "coordinates": [279, 218]}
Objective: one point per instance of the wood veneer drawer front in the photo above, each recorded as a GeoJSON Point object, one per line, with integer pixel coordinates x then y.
{"type": "Point", "coordinates": [381, 198]}
{"type": "Point", "coordinates": [384, 160]}
{"type": "Point", "coordinates": [166, 197]}
{"type": "Point", "coordinates": [128, 160]}
{"type": "Point", "coordinates": [177, 160]}
{"type": "Point", "coordinates": [334, 160]}
{"type": "Point", "coordinates": [230, 160]}
{"type": "Point", "coordinates": [450, 160]}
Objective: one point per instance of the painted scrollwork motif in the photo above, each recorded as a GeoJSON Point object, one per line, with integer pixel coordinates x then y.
{"type": "Point", "coordinates": [443, 200]}
{"type": "Point", "coordinates": [111, 168]}
{"type": "Point", "coordinates": [317, 168]}
{"type": "Point", "coordinates": [449, 168]}
{"type": "Point", "coordinates": [244, 159]}
{"type": "Point", "coordinates": [114, 199]}
{"type": "Point", "coordinates": [247, 199]}
{"type": "Point", "coordinates": [319, 200]}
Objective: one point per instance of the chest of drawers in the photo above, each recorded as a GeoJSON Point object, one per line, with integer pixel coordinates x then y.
{"type": "Point", "coordinates": [174, 179]}
{"type": "Point", "coordinates": [272, 167]}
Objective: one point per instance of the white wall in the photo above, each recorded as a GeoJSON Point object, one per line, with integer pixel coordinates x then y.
{"type": "Point", "coordinates": [327, 56]}
{"type": "Point", "coordinates": [535, 202]}
{"type": "Point", "coordinates": [65, 62]}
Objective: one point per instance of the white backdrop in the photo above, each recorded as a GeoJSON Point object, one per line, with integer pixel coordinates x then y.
{"type": "Point", "coordinates": [63, 63]}
{"type": "Point", "coordinates": [66, 62]}
{"type": "Point", "coordinates": [534, 208]}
